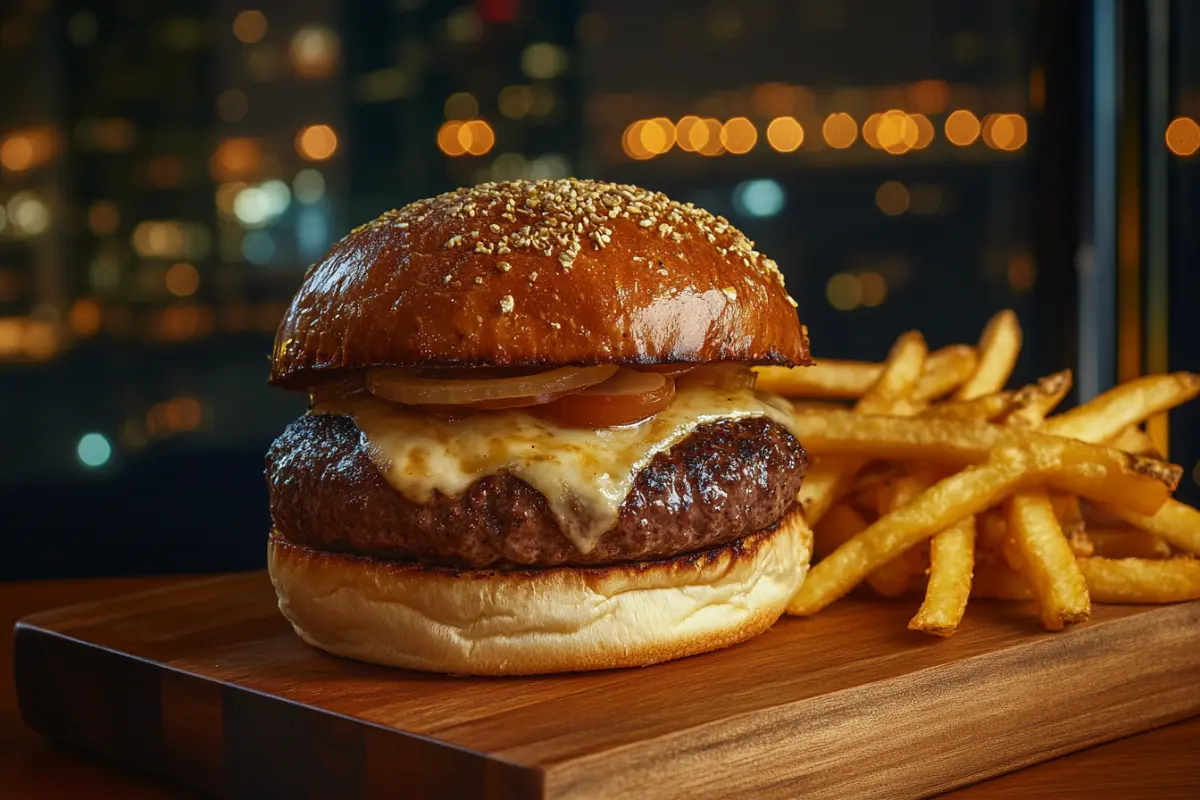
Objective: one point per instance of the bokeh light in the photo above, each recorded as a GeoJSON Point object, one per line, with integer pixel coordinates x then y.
{"type": "Point", "coordinates": [250, 26]}
{"type": "Point", "coordinates": [962, 127]}
{"type": "Point", "coordinates": [738, 135]}
{"type": "Point", "coordinates": [844, 291]}
{"type": "Point", "coordinates": [1183, 136]}
{"type": "Point", "coordinates": [182, 279]}
{"type": "Point", "coordinates": [840, 130]}
{"type": "Point", "coordinates": [759, 198]}
{"type": "Point", "coordinates": [316, 142]}
{"type": "Point", "coordinates": [93, 450]}
{"type": "Point", "coordinates": [892, 198]}
{"type": "Point", "coordinates": [785, 134]}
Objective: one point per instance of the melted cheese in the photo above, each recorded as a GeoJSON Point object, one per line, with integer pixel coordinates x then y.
{"type": "Point", "coordinates": [584, 474]}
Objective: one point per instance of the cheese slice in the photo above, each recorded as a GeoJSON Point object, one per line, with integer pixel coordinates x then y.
{"type": "Point", "coordinates": [584, 474]}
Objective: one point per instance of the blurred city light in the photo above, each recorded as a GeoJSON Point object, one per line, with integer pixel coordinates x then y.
{"type": "Point", "coordinates": [28, 213]}
{"type": "Point", "coordinates": [962, 127]}
{"type": "Point", "coordinates": [181, 279]}
{"type": "Point", "coordinates": [93, 450]}
{"type": "Point", "coordinates": [840, 130]}
{"type": "Point", "coordinates": [759, 198]}
{"type": "Point", "coordinates": [314, 51]}
{"type": "Point", "coordinates": [461, 105]}
{"type": "Point", "coordinates": [308, 186]}
{"type": "Point", "coordinates": [785, 134]}
{"type": "Point", "coordinates": [738, 135]}
{"type": "Point", "coordinates": [843, 291]}
{"type": "Point", "coordinates": [543, 60]}
{"type": "Point", "coordinates": [892, 198]}
{"type": "Point", "coordinates": [316, 142]}
{"type": "Point", "coordinates": [250, 26]}
{"type": "Point", "coordinates": [1183, 136]}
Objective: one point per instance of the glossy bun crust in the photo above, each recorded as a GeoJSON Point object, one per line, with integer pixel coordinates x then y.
{"type": "Point", "coordinates": [540, 273]}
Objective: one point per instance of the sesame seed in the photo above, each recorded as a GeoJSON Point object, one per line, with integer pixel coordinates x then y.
{"type": "Point", "coordinates": [506, 304]}
{"type": "Point", "coordinates": [532, 277]}
{"type": "Point", "coordinates": [730, 292]}
{"type": "Point", "coordinates": [478, 279]}
{"type": "Point", "coordinates": [792, 300]}
{"type": "Point", "coordinates": [663, 272]}
{"type": "Point", "coordinates": [446, 278]}
{"type": "Point", "coordinates": [503, 266]}
{"type": "Point", "coordinates": [555, 325]}
{"type": "Point", "coordinates": [402, 225]}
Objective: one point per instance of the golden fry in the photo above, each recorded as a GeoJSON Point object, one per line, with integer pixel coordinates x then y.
{"type": "Point", "coordinates": [1127, 543]}
{"type": "Point", "coordinates": [1106, 415]}
{"type": "Point", "coordinates": [1175, 522]}
{"type": "Point", "coordinates": [998, 348]}
{"type": "Point", "coordinates": [827, 482]}
{"type": "Point", "coordinates": [1138, 580]}
{"type": "Point", "coordinates": [1001, 582]}
{"type": "Point", "coordinates": [1032, 403]}
{"type": "Point", "coordinates": [833, 378]}
{"type": "Point", "coordinates": [942, 505]}
{"type": "Point", "coordinates": [991, 531]}
{"type": "Point", "coordinates": [828, 378]}
{"type": "Point", "coordinates": [945, 370]}
{"type": "Point", "coordinates": [988, 407]}
{"type": "Point", "coordinates": [1135, 440]}
{"type": "Point", "coordinates": [895, 576]}
{"type": "Point", "coordinates": [1072, 466]}
{"type": "Point", "coordinates": [899, 376]}
{"type": "Point", "coordinates": [840, 525]}
{"type": "Point", "coordinates": [1062, 593]}
{"type": "Point", "coordinates": [952, 560]}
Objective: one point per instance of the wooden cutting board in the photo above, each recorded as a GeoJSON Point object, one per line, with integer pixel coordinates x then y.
{"type": "Point", "coordinates": [203, 682]}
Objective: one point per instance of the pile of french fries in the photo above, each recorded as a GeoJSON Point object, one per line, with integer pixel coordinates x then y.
{"type": "Point", "coordinates": [929, 475]}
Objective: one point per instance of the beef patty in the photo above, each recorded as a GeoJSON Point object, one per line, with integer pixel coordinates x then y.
{"type": "Point", "coordinates": [725, 480]}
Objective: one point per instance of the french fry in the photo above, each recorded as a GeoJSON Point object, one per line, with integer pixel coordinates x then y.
{"type": "Point", "coordinates": [830, 479]}
{"type": "Point", "coordinates": [840, 525]}
{"type": "Point", "coordinates": [899, 376]}
{"type": "Point", "coordinates": [1012, 554]}
{"type": "Point", "coordinates": [832, 378]}
{"type": "Point", "coordinates": [826, 482]}
{"type": "Point", "coordinates": [952, 560]}
{"type": "Point", "coordinates": [1074, 466]}
{"type": "Point", "coordinates": [1067, 511]}
{"type": "Point", "coordinates": [1078, 467]}
{"type": "Point", "coordinates": [1127, 543]}
{"type": "Point", "coordinates": [1000, 582]}
{"type": "Point", "coordinates": [1081, 543]}
{"type": "Point", "coordinates": [937, 508]}
{"type": "Point", "coordinates": [895, 576]}
{"type": "Point", "coordinates": [991, 530]}
{"type": "Point", "coordinates": [1175, 522]}
{"type": "Point", "coordinates": [828, 378]}
{"type": "Point", "coordinates": [1139, 580]}
{"type": "Point", "coordinates": [1061, 590]}
{"type": "Point", "coordinates": [1106, 415]}
{"type": "Point", "coordinates": [1032, 403]}
{"type": "Point", "coordinates": [988, 407]}
{"type": "Point", "coordinates": [998, 348]}
{"type": "Point", "coordinates": [945, 370]}
{"type": "Point", "coordinates": [1135, 440]}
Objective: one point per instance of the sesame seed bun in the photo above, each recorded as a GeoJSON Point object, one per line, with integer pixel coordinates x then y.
{"type": "Point", "coordinates": [545, 273]}
{"type": "Point", "coordinates": [522, 622]}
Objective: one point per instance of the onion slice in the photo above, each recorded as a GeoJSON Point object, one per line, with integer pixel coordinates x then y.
{"type": "Point", "coordinates": [627, 397]}
{"type": "Point", "coordinates": [403, 386]}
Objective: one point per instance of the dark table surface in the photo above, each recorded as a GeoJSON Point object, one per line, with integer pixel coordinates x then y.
{"type": "Point", "coordinates": [1158, 764]}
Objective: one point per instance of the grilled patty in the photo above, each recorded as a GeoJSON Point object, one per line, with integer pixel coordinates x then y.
{"type": "Point", "coordinates": [727, 479]}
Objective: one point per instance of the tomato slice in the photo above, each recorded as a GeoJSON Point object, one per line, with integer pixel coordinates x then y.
{"type": "Point", "coordinates": [627, 397]}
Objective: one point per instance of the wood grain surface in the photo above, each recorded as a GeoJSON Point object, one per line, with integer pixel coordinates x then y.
{"type": "Point", "coordinates": [205, 684]}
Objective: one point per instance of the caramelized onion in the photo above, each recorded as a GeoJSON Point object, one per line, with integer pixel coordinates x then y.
{"type": "Point", "coordinates": [724, 377]}
{"type": "Point", "coordinates": [629, 396]}
{"type": "Point", "coordinates": [404, 386]}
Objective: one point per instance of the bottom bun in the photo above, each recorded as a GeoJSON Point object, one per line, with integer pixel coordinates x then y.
{"type": "Point", "coordinates": [523, 622]}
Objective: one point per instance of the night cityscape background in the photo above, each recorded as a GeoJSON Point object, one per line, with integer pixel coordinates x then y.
{"type": "Point", "coordinates": [169, 170]}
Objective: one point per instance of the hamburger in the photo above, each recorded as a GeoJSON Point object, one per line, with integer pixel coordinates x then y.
{"type": "Point", "coordinates": [534, 442]}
